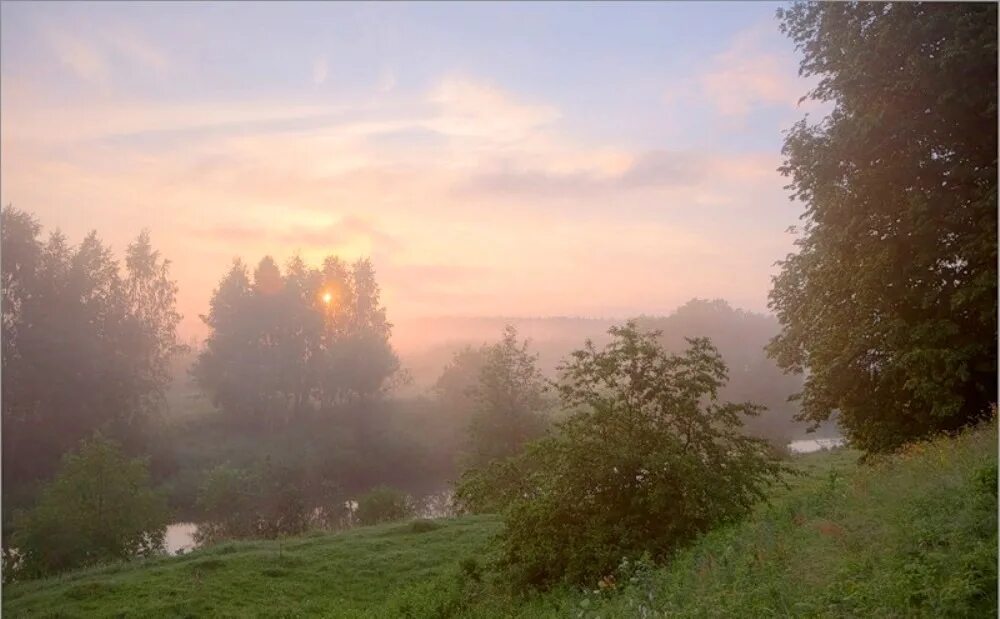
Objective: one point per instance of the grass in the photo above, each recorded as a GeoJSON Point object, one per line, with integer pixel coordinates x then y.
{"type": "Point", "coordinates": [911, 535]}
{"type": "Point", "coordinates": [349, 574]}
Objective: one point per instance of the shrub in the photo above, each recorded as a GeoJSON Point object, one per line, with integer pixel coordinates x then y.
{"type": "Point", "coordinates": [228, 499]}
{"type": "Point", "coordinates": [492, 487]}
{"type": "Point", "coordinates": [383, 504]}
{"type": "Point", "coordinates": [652, 461]}
{"type": "Point", "coordinates": [267, 501]}
{"type": "Point", "coordinates": [423, 526]}
{"type": "Point", "coordinates": [99, 507]}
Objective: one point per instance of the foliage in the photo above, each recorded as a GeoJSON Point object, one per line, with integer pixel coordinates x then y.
{"type": "Point", "coordinates": [405, 444]}
{"type": "Point", "coordinates": [509, 401]}
{"type": "Point", "coordinates": [383, 504]}
{"type": "Point", "coordinates": [652, 460]}
{"type": "Point", "coordinates": [455, 402]}
{"type": "Point", "coordinates": [741, 337]}
{"type": "Point", "coordinates": [99, 507]}
{"type": "Point", "coordinates": [912, 535]}
{"type": "Point", "coordinates": [283, 344]}
{"type": "Point", "coordinates": [890, 302]}
{"type": "Point", "coordinates": [493, 487]}
{"type": "Point", "coordinates": [86, 346]}
{"type": "Point", "coordinates": [267, 501]}
{"type": "Point", "coordinates": [228, 501]}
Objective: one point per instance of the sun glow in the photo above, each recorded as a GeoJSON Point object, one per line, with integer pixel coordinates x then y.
{"type": "Point", "coordinates": [327, 297]}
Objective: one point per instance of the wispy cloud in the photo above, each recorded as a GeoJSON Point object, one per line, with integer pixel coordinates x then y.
{"type": "Point", "coordinates": [473, 108]}
{"type": "Point", "coordinates": [93, 57]}
{"type": "Point", "coordinates": [648, 170]}
{"type": "Point", "coordinates": [349, 233]}
{"type": "Point", "coordinates": [749, 75]}
{"type": "Point", "coordinates": [467, 191]}
{"type": "Point", "coordinates": [80, 56]}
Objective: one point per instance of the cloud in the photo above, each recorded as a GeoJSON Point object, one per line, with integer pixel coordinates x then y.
{"type": "Point", "coordinates": [319, 70]}
{"type": "Point", "coordinates": [650, 169]}
{"type": "Point", "coordinates": [471, 108]}
{"type": "Point", "coordinates": [661, 167]}
{"type": "Point", "coordinates": [83, 58]}
{"type": "Point", "coordinates": [345, 231]}
{"type": "Point", "coordinates": [465, 173]}
{"type": "Point", "coordinates": [348, 231]}
{"type": "Point", "coordinates": [748, 75]}
{"type": "Point", "coordinates": [94, 58]}
{"type": "Point", "coordinates": [141, 52]}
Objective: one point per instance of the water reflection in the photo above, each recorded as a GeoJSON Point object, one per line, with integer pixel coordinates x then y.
{"type": "Point", "coordinates": [810, 445]}
{"type": "Point", "coordinates": [180, 536]}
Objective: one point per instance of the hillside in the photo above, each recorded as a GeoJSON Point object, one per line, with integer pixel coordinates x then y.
{"type": "Point", "coordinates": [911, 535]}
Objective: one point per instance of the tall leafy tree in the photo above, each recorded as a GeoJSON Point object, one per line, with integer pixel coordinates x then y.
{"type": "Point", "coordinates": [151, 298]}
{"type": "Point", "coordinates": [86, 345]}
{"type": "Point", "coordinates": [509, 401]}
{"type": "Point", "coordinates": [221, 368]}
{"type": "Point", "coordinates": [285, 343]}
{"type": "Point", "coordinates": [650, 459]}
{"type": "Point", "coordinates": [890, 301]}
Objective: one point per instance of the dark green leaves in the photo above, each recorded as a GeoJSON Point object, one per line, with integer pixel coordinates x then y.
{"type": "Point", "coordinates": [889, 302]}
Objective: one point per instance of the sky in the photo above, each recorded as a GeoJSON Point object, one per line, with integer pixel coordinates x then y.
{"type": "Point", "coordinates": [518, 159]}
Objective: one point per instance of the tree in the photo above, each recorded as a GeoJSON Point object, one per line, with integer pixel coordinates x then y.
{"type": "Point", "coordinates": [889, 304]}
{"type": "Point", "coordinates": [221, 368]}
{"type": "Point", "coordinates": [151, 298]}
{"type": "Point", "coordinates": [267, 500]}
{"type": "Point", "coordinates": [741, 337]}
{"type": "Point", "coordinates": [99, 507]}
{"type": "Point", "coordinates": [651, 460]}
{"type": "Point", "coordinates": [455, 402]}
{"type": "Point", "coordinates": [361, 359]}
{"type": "Point", "coordinates": [455, 388]}
{"type": "Point", "coordinates": [283, 344]}
{"type": "Point", "coordinates": [383, 504]}
{"type": "Point", "coordinates": [86, 346]}
{"type": "Point", "coordinates": [509, 399]}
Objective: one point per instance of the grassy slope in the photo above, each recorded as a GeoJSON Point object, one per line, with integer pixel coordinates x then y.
{"type": "Point", "coordinates": [915, 535]}
{"type": "Point", "coordinates": [319, 574]}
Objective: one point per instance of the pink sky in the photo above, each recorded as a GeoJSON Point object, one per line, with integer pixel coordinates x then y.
{"type": "Point", "coordinates": [472, 193]}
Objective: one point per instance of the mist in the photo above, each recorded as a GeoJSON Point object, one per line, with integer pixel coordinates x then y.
{"type": "Point", "coordinates": [498, 309]}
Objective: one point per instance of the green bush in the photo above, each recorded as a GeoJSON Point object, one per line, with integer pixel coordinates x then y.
{"type": "Point", "coordinates": [652, 461]}
{"type": "Point", "coordinates": [99, 507]}
{"type": "Point", "coordinates": [383, 504]}
{"type": "Point", "coordinates": [267, 501]}
{"type": "Point", "coordinates": [423, 526]}
{"type": "Point", "coordinates": [228, 500]}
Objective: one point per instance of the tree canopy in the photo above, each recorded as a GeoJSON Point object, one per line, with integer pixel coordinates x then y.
{"type": "Point", "coordinates": [650, 459]}
{"type": "Point", "coordinates": [86, 345]}
{"type": "Point", "coordinates": [509, 400]}
{"type": "Point", "coordinates": [284, 343]}
{"type": "Point", "coordinates": [889, 303]}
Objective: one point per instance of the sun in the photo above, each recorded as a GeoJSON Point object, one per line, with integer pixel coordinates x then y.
{"type": "Point", "coordinates": [327, 297]}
